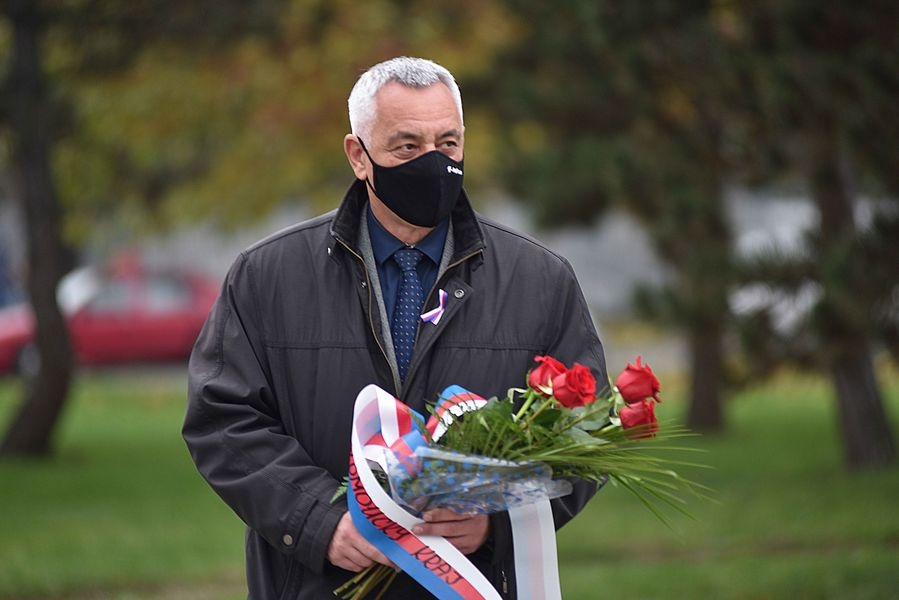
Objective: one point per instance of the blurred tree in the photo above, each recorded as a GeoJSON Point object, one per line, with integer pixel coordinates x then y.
{"type": "Point", "coordinates": [630, 104]}
{"type": "Point", "coordinates": [226, 136]}
{"type": "Point", "coordinates": [31, 118]}
{"type": "Point", "coordinates": [826, 78]}
{"type": "Point", "coordinates": [98, 37]}
{"type": "Point", "coordinates": [159, 111]}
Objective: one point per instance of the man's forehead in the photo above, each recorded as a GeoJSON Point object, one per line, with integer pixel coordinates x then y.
{"type": "Point", "coordinates": [398, 102]}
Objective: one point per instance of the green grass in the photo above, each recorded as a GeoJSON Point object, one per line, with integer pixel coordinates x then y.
{"type": "Point", "coordinates": [788, 520]}
{"type": "Point", "coordinates": [121, 506]}
{"type": "Point", "coordinates": [120, 513]}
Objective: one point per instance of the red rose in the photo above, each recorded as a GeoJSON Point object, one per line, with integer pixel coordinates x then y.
{"type": "Point", "coordinates": [640, 414]}
{"type": "Point", "coordinates": [637, 383]}
{"type": "Point", "coordinates": [575, 387]}
{"type": "Point", "coordinates": [541, 376]}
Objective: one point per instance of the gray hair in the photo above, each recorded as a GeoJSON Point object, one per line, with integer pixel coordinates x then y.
{"type": "Point", "coordinates": [411, 72]}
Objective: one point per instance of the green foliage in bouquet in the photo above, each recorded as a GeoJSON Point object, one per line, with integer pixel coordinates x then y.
{"type": "Point", "coordinates": [557, 420]}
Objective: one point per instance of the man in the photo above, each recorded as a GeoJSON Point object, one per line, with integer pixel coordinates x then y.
{"type": "Point", "coordinates": [314, 313]}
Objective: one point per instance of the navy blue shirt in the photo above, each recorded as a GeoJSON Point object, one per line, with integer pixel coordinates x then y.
{"type": "Point", "coordinates": [384, 244]}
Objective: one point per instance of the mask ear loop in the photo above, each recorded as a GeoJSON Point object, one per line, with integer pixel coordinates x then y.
{"type": "Point", "coordinates": [364, 149]}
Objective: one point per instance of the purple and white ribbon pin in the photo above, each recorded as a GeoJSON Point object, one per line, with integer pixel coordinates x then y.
{"type": "Point", "coordinates": [433, 316]}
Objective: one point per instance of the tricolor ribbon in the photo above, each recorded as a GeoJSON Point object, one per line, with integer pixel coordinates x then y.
{"type": "Point", "coordinates": [433, 316]}
{"type": "Point", "coordinates": [454, 402]}
{"type": "Point", "coordinates": [383, 429]}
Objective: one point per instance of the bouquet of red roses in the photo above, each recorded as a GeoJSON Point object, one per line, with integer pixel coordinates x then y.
{"type": "Point", "coordinates": [496, 454]}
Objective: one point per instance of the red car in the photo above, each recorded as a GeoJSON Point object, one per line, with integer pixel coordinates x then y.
{"type": "Point", "coordinates": [137, 315]}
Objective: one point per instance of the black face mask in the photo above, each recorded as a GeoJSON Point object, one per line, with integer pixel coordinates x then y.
{"type": "Point", "coordinates": [422, 191]}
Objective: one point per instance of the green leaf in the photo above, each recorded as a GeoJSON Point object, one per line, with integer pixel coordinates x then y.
{"type": "Point", "coordinates": [580, 437]}
{"type": "Point", "coordinates": [593, 425]}
{"type": "Point", "coordinates": [341, 489]}
{"type": "Point", "coordinates": [548, 417]}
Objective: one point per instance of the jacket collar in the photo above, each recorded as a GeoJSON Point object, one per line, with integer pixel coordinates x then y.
{"type": "Point", "coordinates": [468, 237]}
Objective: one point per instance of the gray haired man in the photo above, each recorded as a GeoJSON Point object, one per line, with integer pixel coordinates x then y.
{"type": "Point", "coordinates": [312, 314]}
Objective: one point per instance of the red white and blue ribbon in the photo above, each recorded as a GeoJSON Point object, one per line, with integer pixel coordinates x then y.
{"type": "Point", "coordinates": [536, 562]}
{"type": "Point", "coordinates": [433, 316]}
{"type": "Point", "coordinates": [454, 402]}
{"type": "Point", "coordinates": [430, 560]}
{"type": "Point", "coordinates": [384, 428]}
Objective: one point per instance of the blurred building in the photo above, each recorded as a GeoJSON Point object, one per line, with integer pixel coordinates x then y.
{"type": "Point", "coordinates": [610, 257]}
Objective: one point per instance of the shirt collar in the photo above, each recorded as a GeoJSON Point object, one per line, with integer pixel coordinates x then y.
{"type": "Point", "coordinates": [384, 243]}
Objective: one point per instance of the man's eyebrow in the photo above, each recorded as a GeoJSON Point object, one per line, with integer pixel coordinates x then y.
{"type": "Point", "coordinates": [450, 133]}
{"type": "Point", "coordinates": [409, 135]}
{"type": "Point", "coordinates": [402, 135]}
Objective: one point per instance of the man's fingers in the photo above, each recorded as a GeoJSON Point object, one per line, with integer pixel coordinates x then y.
{"type": "Point", "coordinates": [373, 553]}
{"type": "Point", "coordinates": [442, 514]}
{"type": "Point", "coordinates": [447, 529]}
{"type": "Point", "coordinates": [465, 532]}
{"type": "Point", "coordinates": [349, 550]}
{"type": "Point", "coordinates": [358, 558]}
{"type": "Point", "coordinates": [353, 560]}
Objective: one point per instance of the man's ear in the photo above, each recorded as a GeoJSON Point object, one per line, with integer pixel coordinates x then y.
{"type": "Point", "coordinates": [355, 155]}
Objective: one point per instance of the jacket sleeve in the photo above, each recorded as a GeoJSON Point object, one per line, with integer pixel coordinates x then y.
{"type": "Point", "coordinates": [237, 440]}
{"type": "Point", "coordinates": [576, 341]}
{"type": "Point", "coordinates": [573, 339]}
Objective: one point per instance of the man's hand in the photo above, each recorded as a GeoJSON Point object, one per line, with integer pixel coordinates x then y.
{"type": "Point", "coordinates": [465, 532]}
{"type": "Point", "coordinates": [349, 550]}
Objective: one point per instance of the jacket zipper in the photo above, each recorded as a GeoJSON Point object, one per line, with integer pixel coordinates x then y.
{"type": "Point", "coordinates": [371, 323]}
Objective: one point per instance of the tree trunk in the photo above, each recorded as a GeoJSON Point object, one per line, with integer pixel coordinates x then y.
{"type": "Point", "coordinates": [708, 268]}
{"type": "Point", "coordinates": [865, 431]}
{"type": "Point", "coordinates": [706, 376]}
{"type": "Point", "coordinates": [31, 430]}
{"type": "Point", "coordinates": [706, 275]}
{"type": "Point", "coordinates": [867, 440]}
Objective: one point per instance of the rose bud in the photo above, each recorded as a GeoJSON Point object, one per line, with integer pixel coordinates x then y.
{"type": "Point", "coordinates": [637, 383]}
{"type": "Point", "coordinates": [642, 415]}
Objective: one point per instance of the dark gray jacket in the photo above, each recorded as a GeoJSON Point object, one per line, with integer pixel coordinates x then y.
{"type": "Point", "coordinates": [296, 333]}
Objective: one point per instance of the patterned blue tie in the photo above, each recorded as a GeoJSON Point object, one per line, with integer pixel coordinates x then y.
{"type": "Point", "coordinates": [407, 311]}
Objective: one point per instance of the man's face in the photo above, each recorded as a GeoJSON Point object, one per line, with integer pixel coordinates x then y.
{"type": "Point", "coordinates": [411, 122]}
